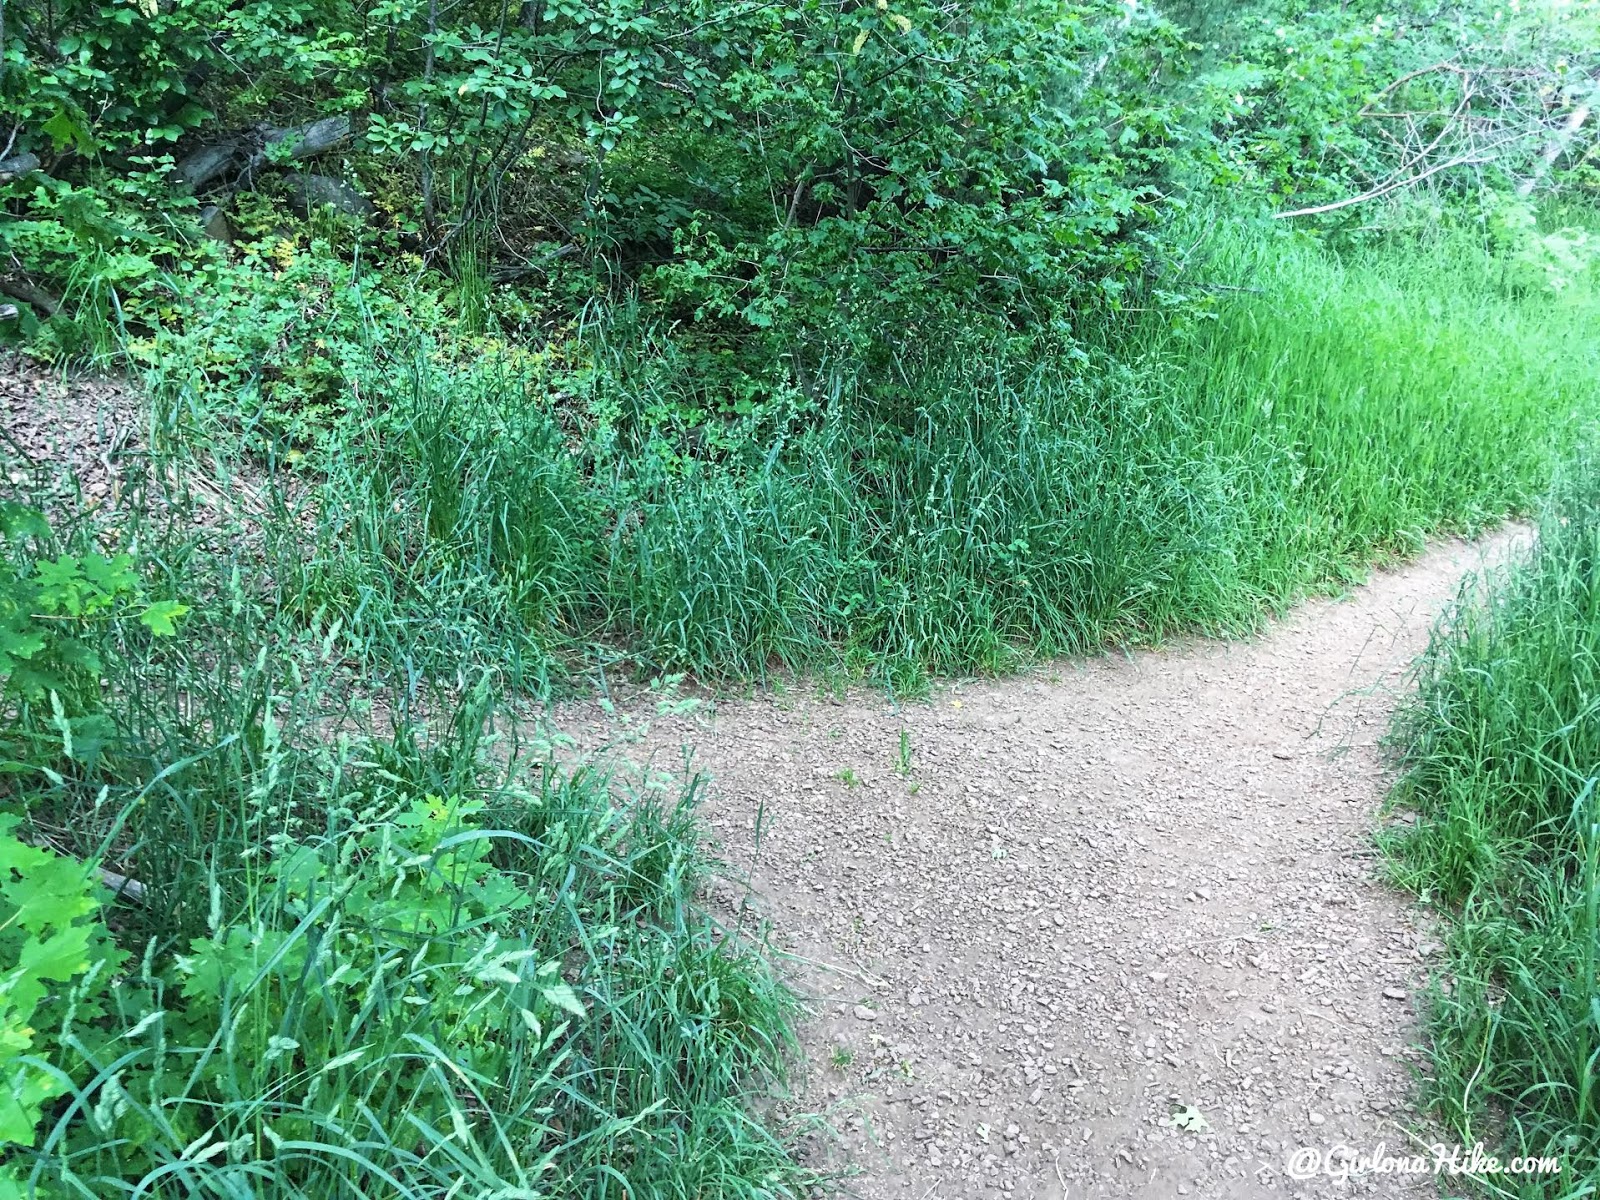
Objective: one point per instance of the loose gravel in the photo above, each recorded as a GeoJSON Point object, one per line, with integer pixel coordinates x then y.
{"type": "Point", "coordinates": [70, 439]}
{"type": "Point", "coordinates": [1111, 929]}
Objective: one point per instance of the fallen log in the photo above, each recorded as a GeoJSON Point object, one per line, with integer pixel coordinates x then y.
{"type": "Point", "coordinates": [206, 164]}
{"type": "Point", "coordinates": [303, 141]}
{"type": "Point", "coordinates": [122, 886]}
{"type": "Point", "coordinates": [252, 151]}
{"type": "Point", "coordinates": [1559, 142]}
{"type": "Point", "coordinates": [35, 297]}
{"type": "Point", "coordinates": [17, 166]}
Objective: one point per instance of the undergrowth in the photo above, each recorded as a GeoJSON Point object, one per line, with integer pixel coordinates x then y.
{"type": "Point", "coordinates": [981, 504]}
{"type": "Point", "coordinates": [1502, 755]}
{"type": "Point", "coordinates": [365, 941]}
{"type": "Point", "coordinates": [488, 345]}
{"type": "Point", "coordinates": [361, 933]}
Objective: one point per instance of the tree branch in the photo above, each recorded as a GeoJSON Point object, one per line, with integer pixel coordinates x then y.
{"type": "Point", "coordinates": [1393, 185]}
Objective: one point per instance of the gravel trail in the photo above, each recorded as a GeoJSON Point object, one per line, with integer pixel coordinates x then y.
{"type": "Point", "coordinates": [1117, 933]}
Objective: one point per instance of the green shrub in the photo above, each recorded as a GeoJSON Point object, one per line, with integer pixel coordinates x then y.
{"type": "Point", "coordinates": [57, 967]}
{"type": "Point", "coordinates": [362, 941]}
{"type": "Point", "coordinates": [1304, 100]}
{"type": "Point", "coordinates": [418, 999]}
{"type": "Point", "coordinates": [55, 614]}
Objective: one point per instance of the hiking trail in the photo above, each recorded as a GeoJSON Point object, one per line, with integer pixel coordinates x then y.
{"type": "Point", "coordinates": [1120, 931]}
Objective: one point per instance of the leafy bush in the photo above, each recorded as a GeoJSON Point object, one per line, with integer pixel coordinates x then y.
{"type": "Point", "coordinates": [57, 966]}
{"type": "Point", "coordinates": [794, 177]}
{"type": "Point", "coordinates": [1539, 261]}
{"type": "Point", "coordinates": [1315, 102]}
{"type": "Point", "coordinates": [932, 171]}
{"type": "Point", "coordinates": [53, 617]}
{"type": "Point", "coordinates": [283, 344]}
{"type": "Point", "coordinates": [417, 998]}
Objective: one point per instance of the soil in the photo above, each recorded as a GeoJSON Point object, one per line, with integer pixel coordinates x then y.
{"type": "Point", "coordinates": [1119, 931]}
{"type": "Point", "coordinates": [79, 445]}
{"type": "Point", "coordinates": [74, 438]}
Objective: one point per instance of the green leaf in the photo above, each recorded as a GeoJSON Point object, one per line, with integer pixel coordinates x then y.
{"type": "Point", "coordinates": [48, 890]}
{"type": "Point", "coordinates": [18, 520]}
{"type": "Point", "coordinates": [20, 639]}
{"type": "Point", "coordinates": [59, 956]}
{"type": "Point", "coordinates": [160, 616]}
{"type": "Point", "coordinates": [65, 130]}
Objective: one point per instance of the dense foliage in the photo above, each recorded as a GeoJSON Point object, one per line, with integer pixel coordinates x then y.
{"type": "Point", "coordinates": [832, 171]}
{"type": "Point", "coordinates": [783, 183]}
{"type": "Point", "coordinates": [387, 958]}
{"type": "Point", "coordinates": [487, 344]}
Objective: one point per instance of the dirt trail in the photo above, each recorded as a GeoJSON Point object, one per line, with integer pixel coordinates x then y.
{"type": "Point", "coordinates": [1109, 892]}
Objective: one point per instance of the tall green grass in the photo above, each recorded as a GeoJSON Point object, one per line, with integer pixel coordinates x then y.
{"type": "Point", "coordinates": [1502, 755]}
{"type": "Point", "coordinates": [380, 942]}
{"type": "Point", "coordinates": [986, 503]}
{"type": "Point", "coordinates": [1401, 390]}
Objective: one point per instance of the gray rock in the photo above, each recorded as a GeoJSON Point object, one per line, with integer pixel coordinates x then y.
{"type": "Point", "coordinates": [308, 192]}
{"type": "Point", "coordinates": [215, 225]}
{"type": "Point", "coordinates": [206, 164]}
{"type": "Point", "coordinates": [17, 166]}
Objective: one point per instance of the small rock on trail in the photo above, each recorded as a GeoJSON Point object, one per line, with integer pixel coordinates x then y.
{"type": "Point", "coordinates": [1120, 925]}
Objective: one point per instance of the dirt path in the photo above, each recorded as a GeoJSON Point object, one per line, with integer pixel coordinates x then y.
{"type": "Point", "coordinates": [1107, 893]}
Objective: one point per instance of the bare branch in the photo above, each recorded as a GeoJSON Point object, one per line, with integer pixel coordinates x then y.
{"type": "Point", "coordinates": [1393, 185]}
{"type": "Point", "coordinates": [1559, 143]}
